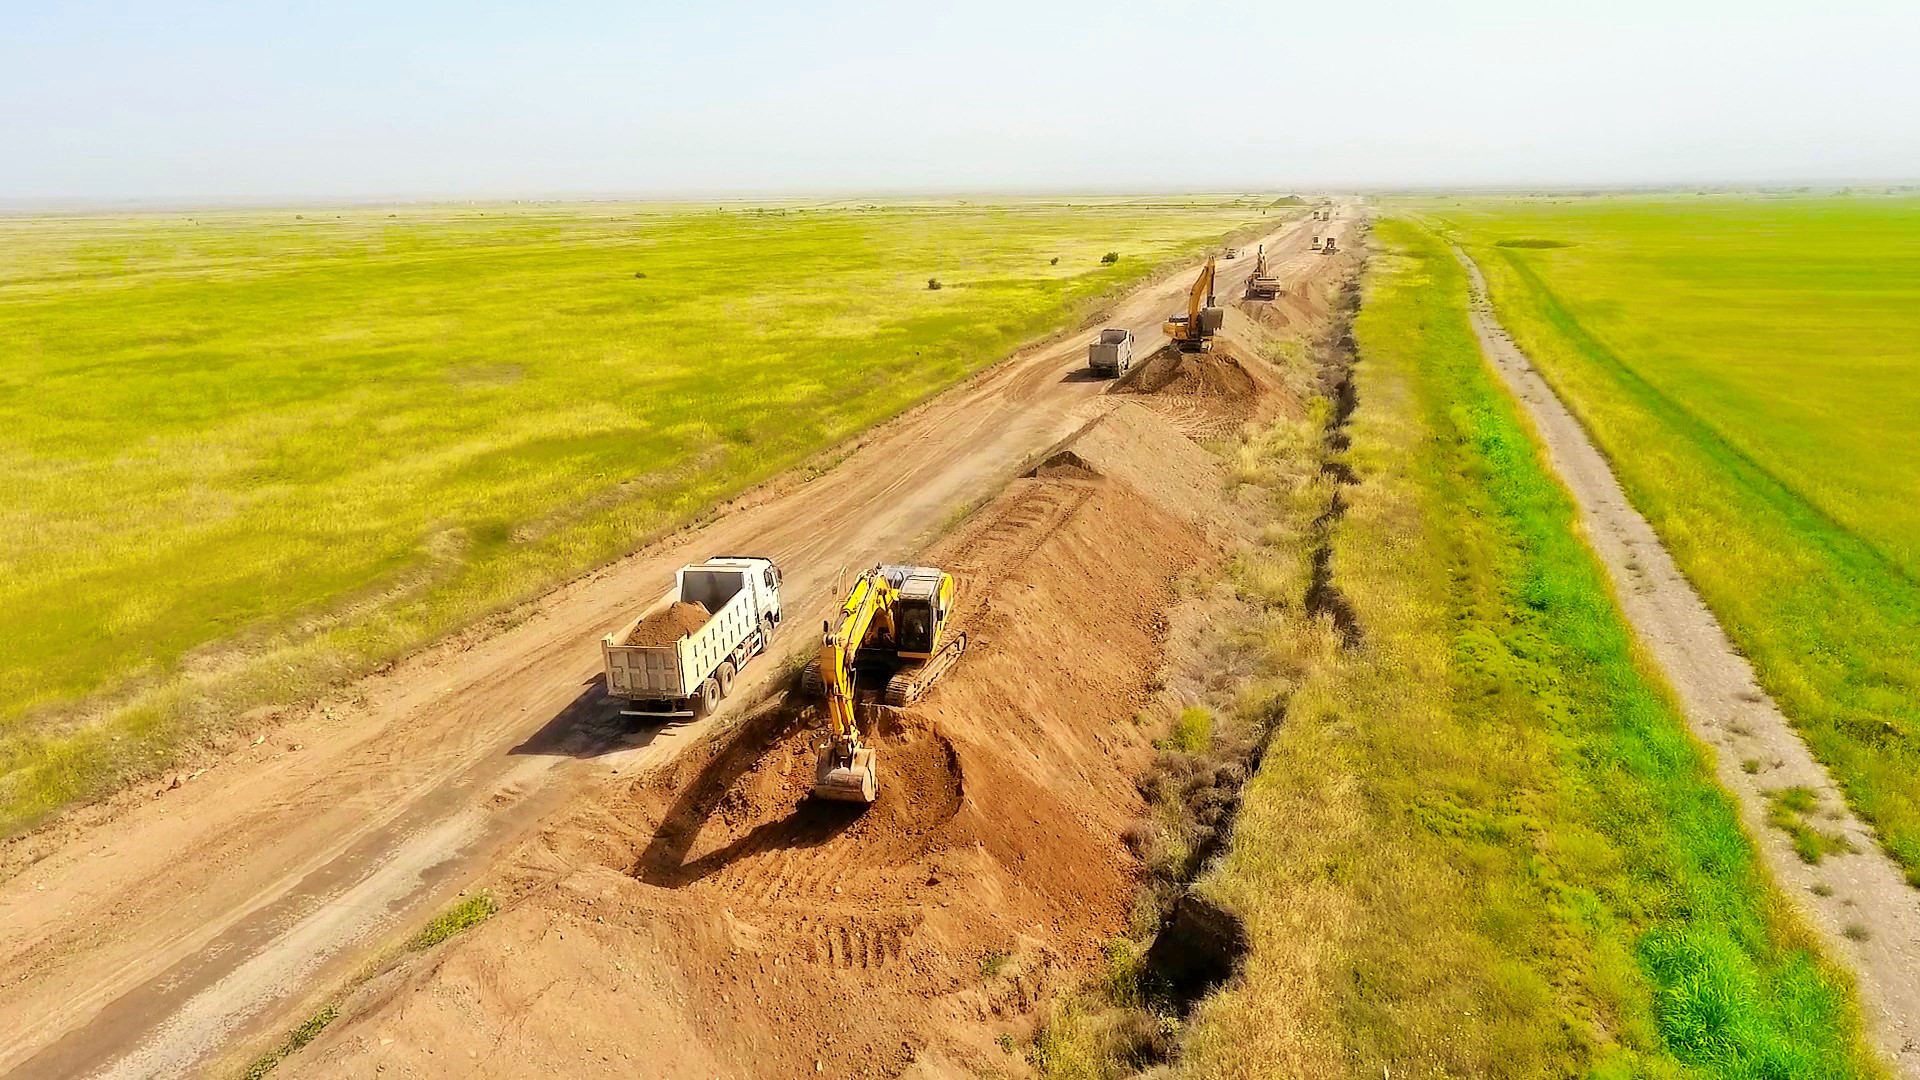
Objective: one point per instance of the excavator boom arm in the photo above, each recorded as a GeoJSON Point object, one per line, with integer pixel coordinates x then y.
{"type": "Point", "coordinates": [869, 601]}
{"type": "Point", "coordinates": [1202, 294]}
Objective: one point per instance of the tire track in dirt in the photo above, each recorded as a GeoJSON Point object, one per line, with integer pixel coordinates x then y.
{"type": "Point", "coordinates": [1725, 707]}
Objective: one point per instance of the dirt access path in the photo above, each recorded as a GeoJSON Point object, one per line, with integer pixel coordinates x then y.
{"type": "Point", "coordinates": [139, 944]}
{"type": "Point", "coordinates": [1725, 706]}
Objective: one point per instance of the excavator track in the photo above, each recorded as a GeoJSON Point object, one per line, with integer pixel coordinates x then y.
{"type": "Point", "coordinates": [906, 686]}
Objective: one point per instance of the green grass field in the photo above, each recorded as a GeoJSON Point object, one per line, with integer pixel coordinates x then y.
{"type": "Point", "coordinates": [1482, 843]}
{"type": "Point", "coordinates": [250, 453]}
{"type": "Point", "coordinates": [1752, 368]}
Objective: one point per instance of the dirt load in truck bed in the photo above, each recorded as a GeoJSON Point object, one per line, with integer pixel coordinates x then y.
{"type": "Point", "coordinates": [670, 624]}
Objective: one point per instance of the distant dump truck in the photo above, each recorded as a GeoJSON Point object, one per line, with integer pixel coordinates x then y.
{"type": "Point", "coordinates": [1316, 243]}
{"type": "Point", "coordinates": [1112, 352]}
{"type": "Point", "coordinates": [1328, 247]}
{"type": "Point", "coordinates": [679, 658]}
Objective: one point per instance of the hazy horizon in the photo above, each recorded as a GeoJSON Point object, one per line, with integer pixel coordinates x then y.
{"type": "Point", "coordinates": [198, 103]}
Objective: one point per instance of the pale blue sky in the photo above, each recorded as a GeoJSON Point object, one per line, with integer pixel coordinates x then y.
{"type": "Point", "coordinates": [408, 98]}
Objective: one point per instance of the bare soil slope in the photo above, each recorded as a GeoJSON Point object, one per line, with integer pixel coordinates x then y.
{"type": "Point", "coordinates": [735, 927]}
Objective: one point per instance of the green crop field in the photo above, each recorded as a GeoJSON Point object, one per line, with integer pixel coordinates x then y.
{"type": "Point", "coordinates": [1752, 367]}
{"type": "Point", "coordinates": [1482, 842]}
{"type": "Point", "coordinates": [249, 452]}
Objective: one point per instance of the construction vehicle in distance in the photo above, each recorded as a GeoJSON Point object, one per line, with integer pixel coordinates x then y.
{"type": "Point", "coordinates": [1262, 284]}
{"type": "Point", "coordinates": [1328, 247]}
{"type": "Point", "coordinates": [684, 670]}
{"type": "Point", "coordinates": [1193, 332]}
{"type": "Point", "coordinates": [1112, 352]}
{"type": "Point", "coordinates": [892, 632]}
{"type": "Point", "coordinates": [1316, 241]}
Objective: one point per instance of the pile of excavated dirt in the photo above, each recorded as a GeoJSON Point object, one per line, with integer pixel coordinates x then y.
{"type": "Point", "coordinates": [713, 921]}
{"type": "Point", "coordinates": [1207, 395]}
{"type": "Point", "coordinates": [1137, 446]}
{"type": "Point", "coordinates": [1214, 394]}
{"type": "Point", "coordinates": [670, 623]}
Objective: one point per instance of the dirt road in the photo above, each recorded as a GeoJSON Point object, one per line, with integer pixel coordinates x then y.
{"type": "Point", "coordinates": [140, 946]}
{"type": "Point", "coordinates": [1864, 910]}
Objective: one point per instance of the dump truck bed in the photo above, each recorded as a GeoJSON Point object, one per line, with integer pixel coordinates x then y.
{"type": "Point", "coordinates": [660, 672]}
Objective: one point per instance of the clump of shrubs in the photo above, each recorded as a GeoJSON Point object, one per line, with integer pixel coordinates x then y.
{"type": "Point", "coordinates": [933, 283]}
{"type": "Point", "coordinates": [1109, 258]}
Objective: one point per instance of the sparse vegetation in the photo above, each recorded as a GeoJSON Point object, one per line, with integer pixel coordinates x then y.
{"type": "Point", "coordinates": [1192, 730]}
{"type": "Point", "coordinates": [299, 1037]}
{"type": "Point", "coordinates": [1788, 810]}
{"type": "Point", "coordinates": [470, 912]}
{"type": "Point", "coordinates": [1110, 258]}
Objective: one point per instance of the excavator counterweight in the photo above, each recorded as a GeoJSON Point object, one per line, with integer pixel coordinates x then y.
{"type": "Point", "coordinates": [891, 633]}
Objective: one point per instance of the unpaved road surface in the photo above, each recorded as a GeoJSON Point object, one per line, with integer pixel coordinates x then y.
{"type": "Point", "coordinates": [1725, 706]}
{"type": "Point", "coordinates": [188, 920]}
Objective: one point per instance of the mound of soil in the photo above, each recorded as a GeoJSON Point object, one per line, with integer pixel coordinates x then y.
{"type": "Point", "coordinates": [670, 623]}
{"type": "Point", "coordinates": [713, 921]}
{"type": "Point", "coordinates": [1207, 395]}
{"type": "Point", "coordinates": [1135, 444]}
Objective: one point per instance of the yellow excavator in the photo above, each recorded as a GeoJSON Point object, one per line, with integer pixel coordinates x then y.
{"type": "Point", "coordinates": [892, 632]}
{"type": "Point", "coordinates": [1193, 332]}
{"type": "Point", "coordinates": [1262, 284]}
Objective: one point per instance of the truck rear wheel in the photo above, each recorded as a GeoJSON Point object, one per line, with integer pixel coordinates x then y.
{"type": "Point", "coordinates": [707, 700]}
{"type": "Point", "coordinates": [725, 676]}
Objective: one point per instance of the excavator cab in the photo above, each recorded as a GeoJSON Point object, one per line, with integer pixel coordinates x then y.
{"type": "Point", "coordinates": [920, 610]}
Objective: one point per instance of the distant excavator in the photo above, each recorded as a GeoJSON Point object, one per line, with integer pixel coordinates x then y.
{"type": "Point", "coordinates": [892, 631]}
{"type": "Point", "coordinates": [1262, 284]}
{"type": "Point", "coordinates": [1193, 332]}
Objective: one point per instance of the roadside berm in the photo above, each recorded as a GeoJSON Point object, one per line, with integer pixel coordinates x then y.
{"type": "Point", "coordinates": [710, 920]}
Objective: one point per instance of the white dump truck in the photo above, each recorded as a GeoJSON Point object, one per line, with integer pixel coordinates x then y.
{"type": "Point", "coordinates": [679, 658]}
{"type": "Point", "coordinates": [1112, 352]}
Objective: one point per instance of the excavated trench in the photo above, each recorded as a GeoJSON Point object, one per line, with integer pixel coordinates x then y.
{"type": "Point", "coordinates": [1335, 356]}
{"type": "Point", "coordinates": [1199, 945]}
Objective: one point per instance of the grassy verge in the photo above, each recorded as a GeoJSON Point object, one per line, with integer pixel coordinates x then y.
{"type": "Point", "coordinates": [1750, 372]}
{"type": "Point", "coordinates": [1481, 843]}
{"type": "Point", "coordinates": [254, 454]}
{"type": "Point", "coordinates": [462, 916]}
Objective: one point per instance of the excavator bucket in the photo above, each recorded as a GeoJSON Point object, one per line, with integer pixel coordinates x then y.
{"type": "Point", "coordinates": [855, 782]}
